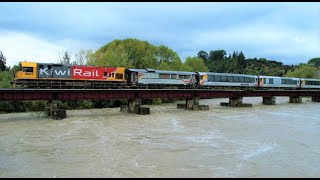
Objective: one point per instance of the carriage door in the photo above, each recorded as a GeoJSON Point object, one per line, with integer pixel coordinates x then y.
{"type": "Point", "coordinates": [134, 77]}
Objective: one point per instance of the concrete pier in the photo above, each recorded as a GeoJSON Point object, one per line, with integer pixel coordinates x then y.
{"type": "Point", "coordinates": [315, 98]}
{"type": "Point", "coordinates": [297, 99]}
{"type": "Point", "coordinates": [269, 100]}
{"type": "Point", "coordinates": [134, 106]}
{"type": "Point", "coordinates": [52, 111]}
{"type": "Point", "coordinates": [192, 104]}
{"type": "Point", "coordinates": [235, 102]}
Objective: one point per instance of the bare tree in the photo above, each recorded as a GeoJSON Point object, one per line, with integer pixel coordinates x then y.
{"type": "Point", "coordinates": [80, 58]}
{"type": "Point", "coordinates": [66, 58]}
{"type": "Point", "coordinates": [3, 59]}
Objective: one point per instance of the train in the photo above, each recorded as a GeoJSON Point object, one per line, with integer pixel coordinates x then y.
{"type": "Point", "coordinates": [51, 75]}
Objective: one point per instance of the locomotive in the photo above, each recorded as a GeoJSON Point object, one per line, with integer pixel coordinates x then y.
{"type": "Point", "coordinates": [59, 76]}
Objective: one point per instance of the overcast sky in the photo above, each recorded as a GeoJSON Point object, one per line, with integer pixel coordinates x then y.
{"type": "Point", "coordinates": [288, 32]}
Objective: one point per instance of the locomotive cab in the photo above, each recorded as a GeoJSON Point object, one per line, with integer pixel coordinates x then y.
{"type": "Point", "coordinates": [27, 70]}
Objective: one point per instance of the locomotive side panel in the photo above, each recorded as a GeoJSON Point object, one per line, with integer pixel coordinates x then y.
{"type": "Point", "coordinates": [87, 72]}
{"type": "Point", "coordinates": [98, 73]}
{"type": "Point", "coordinates": [55, 71]}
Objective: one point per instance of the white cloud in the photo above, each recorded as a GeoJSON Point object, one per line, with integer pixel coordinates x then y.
{"type": "Point", "coordinates": [18, 46]}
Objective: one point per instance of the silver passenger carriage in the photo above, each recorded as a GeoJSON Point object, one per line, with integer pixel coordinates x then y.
{"type": "Point", "coordinates": [307, 83]}
{"type": "Point", "coordinates": [278, 82]}
{"type": "Point", "coordinates": [160, 77]}
{"type": "Point", "coordinates": [227, 80]}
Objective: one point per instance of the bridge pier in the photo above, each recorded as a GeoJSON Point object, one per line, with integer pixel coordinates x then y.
{"type": "Point", "coordinates": [315, 98]}
{"type": "Point", "coordinates": [52, 111]}
{"type": "Point", "coordinates": [271, 100]}
{"type": "Point", "coordinates": [295, 99]}
{"type": "Point", "coordinates": [134, 106]}
{"type": "Point", "coordinates": [192, 104]}
{"type": "Point", "coordinates": [235, 102]}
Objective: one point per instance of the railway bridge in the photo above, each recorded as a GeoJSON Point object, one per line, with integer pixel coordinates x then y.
{"type": "Point", "coordinates": [134, 96]}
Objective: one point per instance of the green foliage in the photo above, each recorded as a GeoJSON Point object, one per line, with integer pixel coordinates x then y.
{"type": "Point", "coordinates": [195, 64]}
{"type": "Point", "coordinates": [3, 66]}
{"type": "Point", "coordinates": [314, 62]}
{"type": "Point", "coordinates": [35, 105]}
{"type": "Point", "coordinates": [156, 101]}
{"type": "Point", "coordinates": [217, 61]}
{"type": "Point", "coordinates": [304, 71]}
{"type": "Point", "coordinates": [134, 53]}
{"type": "Point", "coordinates": [7, 76]}
{"type": "Point", "coordinates": [217, 55]}
{"type": "Point", "coordinates": [87, 104]}
{"type": "Point", "coordinates": [203, 55]}
{"type": "Point", "coordinates": [129, 53]}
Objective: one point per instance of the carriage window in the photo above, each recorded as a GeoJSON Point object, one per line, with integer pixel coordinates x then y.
{"type": "Point", "coordinates": [283, 81]}
{"type": "Point", "coordinates": [241, 79]}
{"type": "Point", "coordinates": [164, 76]}
{"type": "Point", "coordinates": [217, 78]}
{"type": "Point", "coordinates": [27, 69]}
{"type": "Point", "coordinates": [184, 76]}
{"type": "Point", "coordinates": [246, 79]}
{"type": "Point", "coordinates": [119, 76]}
{"type": "Point", "coordinates": [173, 76]}
{"type": "Point", "coordinates": [223, 78]}
{"type": "Point", "coordinates": [235, 79]}
{"type": "Point", "coordinates": [229, 79]}
{"type": "Point", "coordinates": [270, 81]}
{"type": "Point", "coordinates": [210, 78]}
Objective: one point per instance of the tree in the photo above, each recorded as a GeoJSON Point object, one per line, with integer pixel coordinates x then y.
{"type": "Point", "coordinates": [314, 62]}
{"type": "Point", "coordinates": [65, 59]}
{"type": "Point", "coordinates": [80, 58]}
{"type": "Point", "coordinates": [304, 71]}
{"type": "Point", "coordinates": [3, 66]}
{"type": "Point", "coordinates": [217, 55]}
{"type": "Point", "coordinates": [83, 57]}
{"type": "Point", "coordinates": [90, 57]}
{"type": "Point", "coordinates": [167, 59]}
{"type": "Point", "coordinates": [134, 53]}
{"type": "Point", "coordinates": [203, 55]}
{"type": "Point", "coordinates": [195, 64]}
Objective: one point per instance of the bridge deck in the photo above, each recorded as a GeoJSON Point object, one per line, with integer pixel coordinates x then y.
{"type": "Point", "coordinates": [14, 94]}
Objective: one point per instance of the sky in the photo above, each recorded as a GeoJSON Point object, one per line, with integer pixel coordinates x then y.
{"type": "Point", "coordinates": [283, 31]}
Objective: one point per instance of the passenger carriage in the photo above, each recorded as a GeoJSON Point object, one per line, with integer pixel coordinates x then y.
{"type": "Point", "coordinates": [279, 82]}
{"type": "Point", "coordinates": [210, 79]}
{"type": "Point", "coordinates": [160, 78]}
{"type": "Point", "coordinates": [307, 83]}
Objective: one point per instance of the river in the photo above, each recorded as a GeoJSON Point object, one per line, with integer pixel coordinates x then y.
{"type": "Point", "coordinates": [263, 141]}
